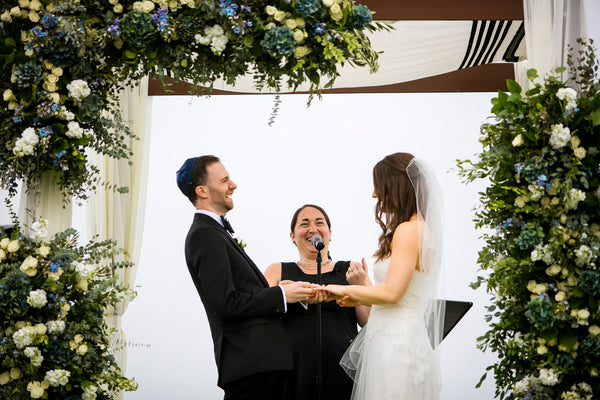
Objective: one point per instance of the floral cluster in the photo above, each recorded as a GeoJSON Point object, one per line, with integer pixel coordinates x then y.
{"type": "Point", "coordinates": [63, 63]}
{"type": "Point", "coordinates": [54, 342]}
{"type": "Point", "coordinates": [541, 156]}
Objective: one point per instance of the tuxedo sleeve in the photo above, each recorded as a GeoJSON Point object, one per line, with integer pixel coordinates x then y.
{"type": "Point", "coordinates": [227, 283]}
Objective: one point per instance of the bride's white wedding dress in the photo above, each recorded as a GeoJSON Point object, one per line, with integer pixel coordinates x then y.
{"type": "Point", "coordinates": [392, 357]}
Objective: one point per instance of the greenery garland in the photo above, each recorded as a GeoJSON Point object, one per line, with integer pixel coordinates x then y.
{"type": "Point", "coordinates": [62, 63]}
{"type": "Point", "coordinates": [54, 341]}
{"type": "Point", "coordinates": [541, 257]}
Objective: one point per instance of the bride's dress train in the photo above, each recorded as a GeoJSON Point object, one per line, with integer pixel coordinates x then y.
{"type": "Point", "coordinates": [392, 357]}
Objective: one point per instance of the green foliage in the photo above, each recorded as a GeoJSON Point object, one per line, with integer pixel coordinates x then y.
{"type": "Point", "coordinates": [48, 45]}
{"type": "Point", "coordinates": [540, 261]}
{"type": "Point", "coordinates": [54, 340]}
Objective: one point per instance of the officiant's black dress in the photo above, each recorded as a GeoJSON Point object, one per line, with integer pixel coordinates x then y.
{"type": "Point", "coordinates": [339, 327]}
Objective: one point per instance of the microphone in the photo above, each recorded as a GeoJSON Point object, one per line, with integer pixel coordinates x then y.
{"type": "Point", "coordinates": [317, 241]}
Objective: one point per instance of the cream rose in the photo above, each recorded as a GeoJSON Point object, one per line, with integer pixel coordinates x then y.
{"type": "Point", "coordinates": [2, 255]}
{"type": "Point", "coordinates": [82, 349]}
{"type": "Point", "coordinates": [34, 16]}
{"type": "Point", "coordinates": [35, 5]}
{"type": "Point", "coordinates": [335, 8]}
{"type": "Point", "coordinates": [579, 153]}
{"type": "Point", "coordinates": [8, 95]}
{"type": "Point", "coordinates": [4, 378]}
{"type": "Point", "coordinates": [6, 16]}
{"type": "Point", "coordinates": [118, 8]}
{"type": "Point", "coordinates": [291, 23]}
{"type": "Point", "coordinates": [279, 16]}
{"type": "Point", "coordinates": [13, 246]}
{"type": "Point", "coordinates": [518, 141]}
{"type": "Point", "coordinates": [270, 10]}
{"type": "Point", "coordinates": [560, 296]}
{"type": "Point", "coordinates": [301, 51]}
{"type": "Point", "coordinates": [15, 373]}
{"type": "Point", "coordinates": [54, 97]}
{"type": "Point", "coordinates": [4, 243]}
{"type": "Point", "coordinates": [298, 36]}
{"type": "Point", "coordinates": [594, 330]}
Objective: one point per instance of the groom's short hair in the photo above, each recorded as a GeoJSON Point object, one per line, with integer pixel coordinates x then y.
{"type": "Point", "coordinates": [199, 174]}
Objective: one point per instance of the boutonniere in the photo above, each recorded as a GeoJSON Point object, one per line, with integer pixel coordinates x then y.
{"type": "Point", "coordinates": [240, 242]}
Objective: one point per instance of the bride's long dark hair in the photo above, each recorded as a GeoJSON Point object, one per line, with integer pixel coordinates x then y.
{"type": "Point", "coordinates": [396, 202]}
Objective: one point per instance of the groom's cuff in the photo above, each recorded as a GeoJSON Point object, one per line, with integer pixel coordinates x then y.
{"type": "Point", "coordinates": [284, 300]}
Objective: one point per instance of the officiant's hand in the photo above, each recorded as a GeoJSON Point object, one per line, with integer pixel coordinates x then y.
{"type": "Point", "coordinates": [346, 301]}
{"type": "Point", "coordinates": [357, 273]}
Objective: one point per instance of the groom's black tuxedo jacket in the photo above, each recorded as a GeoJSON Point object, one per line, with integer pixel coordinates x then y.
{"type": "Point", "coordinates": [244, 313]}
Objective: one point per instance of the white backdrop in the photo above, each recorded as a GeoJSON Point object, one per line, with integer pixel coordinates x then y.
{"type": "Point", "coordinates": [323, 155]}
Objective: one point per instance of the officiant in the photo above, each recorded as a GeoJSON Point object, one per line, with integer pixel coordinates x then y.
{"type": "Point", "coordinates": [339, 324]}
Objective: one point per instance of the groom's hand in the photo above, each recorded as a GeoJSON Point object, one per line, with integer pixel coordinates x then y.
{"type": "Point", "coordinates": [297, 291]}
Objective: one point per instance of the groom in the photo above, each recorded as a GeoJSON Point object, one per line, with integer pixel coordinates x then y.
{"type": "Point", "coordinates": [252, 350]}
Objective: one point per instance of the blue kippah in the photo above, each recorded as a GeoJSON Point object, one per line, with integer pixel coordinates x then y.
{"type": "Point", "coordinates": [184, 175]}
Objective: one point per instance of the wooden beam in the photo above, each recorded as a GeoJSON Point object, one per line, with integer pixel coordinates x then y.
{"type": "Point", "coordinates": [483, 78]}
{"type": "Point", "coordinates": [463, 10]}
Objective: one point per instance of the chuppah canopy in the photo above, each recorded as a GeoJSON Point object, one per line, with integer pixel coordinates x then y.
{"type": "Point", "coordinates": [436, 46]}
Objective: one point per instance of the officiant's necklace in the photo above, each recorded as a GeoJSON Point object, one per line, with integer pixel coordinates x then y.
{"type": "Point", "coordinates": [313, 267]}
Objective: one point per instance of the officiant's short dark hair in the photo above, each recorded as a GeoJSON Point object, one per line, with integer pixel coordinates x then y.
{"type": "Point", "coordinates": [200, 175]}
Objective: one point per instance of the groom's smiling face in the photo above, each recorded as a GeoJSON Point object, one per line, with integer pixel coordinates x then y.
{"type": "Point", "coordinates": [219, 188]}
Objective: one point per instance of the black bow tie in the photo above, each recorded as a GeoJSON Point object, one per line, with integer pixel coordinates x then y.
{"type": "Point", "coordinates": [226, 225]}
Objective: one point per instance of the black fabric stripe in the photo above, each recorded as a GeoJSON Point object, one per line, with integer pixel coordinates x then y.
{"type": "Point", "coordinates": [509, 54]}
{"type": "Point", "coordinates": [471, 37]}
{"type": "Point", "coordinates": [497, 43]}
{"type": "Point", "coordinates": [477, 43]}
{"type": "Point", "coordinates": [485, 44]}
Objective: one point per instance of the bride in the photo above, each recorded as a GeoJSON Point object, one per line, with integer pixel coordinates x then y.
{"type": "Point", "coordinates": [394, 357]}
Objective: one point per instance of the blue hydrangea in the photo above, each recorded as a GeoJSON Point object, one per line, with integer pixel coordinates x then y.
{"type": "Point", "coordinates": [279, 42]}
{"type": "Point", "coordinates": [27, 74]}
{"type": "Point", "coordinates": [539, 313]}
{"type": "Point", "coordinates": [360, 17]}
{"type": "Point", "coordinates": [308, 8]}
{"type": "Point", "coordinates": [589, 282]}
{"type": "Point", "coordinates": [531, 235]}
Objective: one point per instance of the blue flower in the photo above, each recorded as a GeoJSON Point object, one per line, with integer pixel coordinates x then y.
{"type": "Point", "coordinates": [319, 29]}
{"type": "Point", "coordinates": [307, 8]}
{"type": "Point", "coordinates": [160, 19]}
{"type": "Point", "coordinates": [278, 42]}
{"type": "Point", "coordinates": [360, 17]}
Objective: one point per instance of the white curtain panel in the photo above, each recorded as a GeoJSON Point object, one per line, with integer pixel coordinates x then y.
{"type": "Point", "coordinates": [551, 26]}
{"type": "Point", "coordinates": [117, 216]}
{"type": "Point", "coordinates": [48, 203]}
{"type": "Point", "coordinates": [420, 49]}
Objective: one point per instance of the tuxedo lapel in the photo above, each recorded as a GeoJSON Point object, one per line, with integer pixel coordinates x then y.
{"type": "Point", "coordinates": [216, 225]}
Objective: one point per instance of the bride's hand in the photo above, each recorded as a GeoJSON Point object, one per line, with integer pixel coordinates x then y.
{"type": "Point", "coordinates": [347, 302]}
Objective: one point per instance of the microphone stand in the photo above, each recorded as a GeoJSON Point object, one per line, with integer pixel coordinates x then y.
{"type": "Point", "coordinates": [319, 333]}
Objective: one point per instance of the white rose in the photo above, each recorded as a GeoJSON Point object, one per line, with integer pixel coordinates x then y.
{"type": "Point", "coordinates": [53, 97]}
{"type": "Point", "coordinates": [301, 51]}
{"type": "Point", "coordinates": [518, 141]}
{"type": "Point", "coordinates": [2, 255]}
{"type": "Point", "coordinates": [24, 3]}
{"type": "Point", "coordinates": [82, 349]}
{"type": "Point", "coordinates": [270, 10]}
{"type": "Point", "coordinates": [327, 3]}
{"type": "Point", "coordinates": [13, 246]}
{"type": "Point", "coordinates": [279, 16]}
{"type": "Point", "coordinates": [8, 95]}
{"type": "Point", "coordinates": [34, 16]}
{"type": "Point", "coordinates": [298, 36]}
{"type": "Point", "coordinates": [147, 6]}
{"type": "Point", "coordinates": [4, 378]}
{"type": "Point", "coordinates": [541, 350]}
{"type": "Point", "coordinates": [4, 243]}
{"type": "Point", "coordinates": [43, 251]}
{"type": "Point", "coordinates": [583, 314]}
{"type": "Point", "coordinates": [560, 296]}
{"type": "Point", "coordinates": [575, 142]}
{"type": "Point", "coordinates": [137, 6]}
{"type": "Point", "coordinates": [118, 8]}
{"type": "Point", "coordinates": [291, 23]}
{"type": "Point", "coordinates": [594, 330]}
{"type": "Point", "coordinates": [35, 5]}
{"type": "Point", "coordinates": [300, 22]}
{"type": "Point", "coordinates": [5, 17]}
{"type": "Point", "coordinates": [579, 153]}
{"type": "Point", "coordinates": [335, 8]}
{"type": "Point", "coordinates": [553, 270]}
{"type": "Point", "coordinates": [15, 373]}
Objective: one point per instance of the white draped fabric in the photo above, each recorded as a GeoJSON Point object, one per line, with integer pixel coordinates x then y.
{"type": "Point", "coordinates": [550, 26]}
{"type": "Point", "coordinates": [120, 217]}
{"type": "Point", "coordinates": [420, 49]}
{"type": "Point", "coordinates": [48, 203]}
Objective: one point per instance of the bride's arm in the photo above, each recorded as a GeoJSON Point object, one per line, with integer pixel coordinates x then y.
{"type": "Point", "coordinates": [404, 257]}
